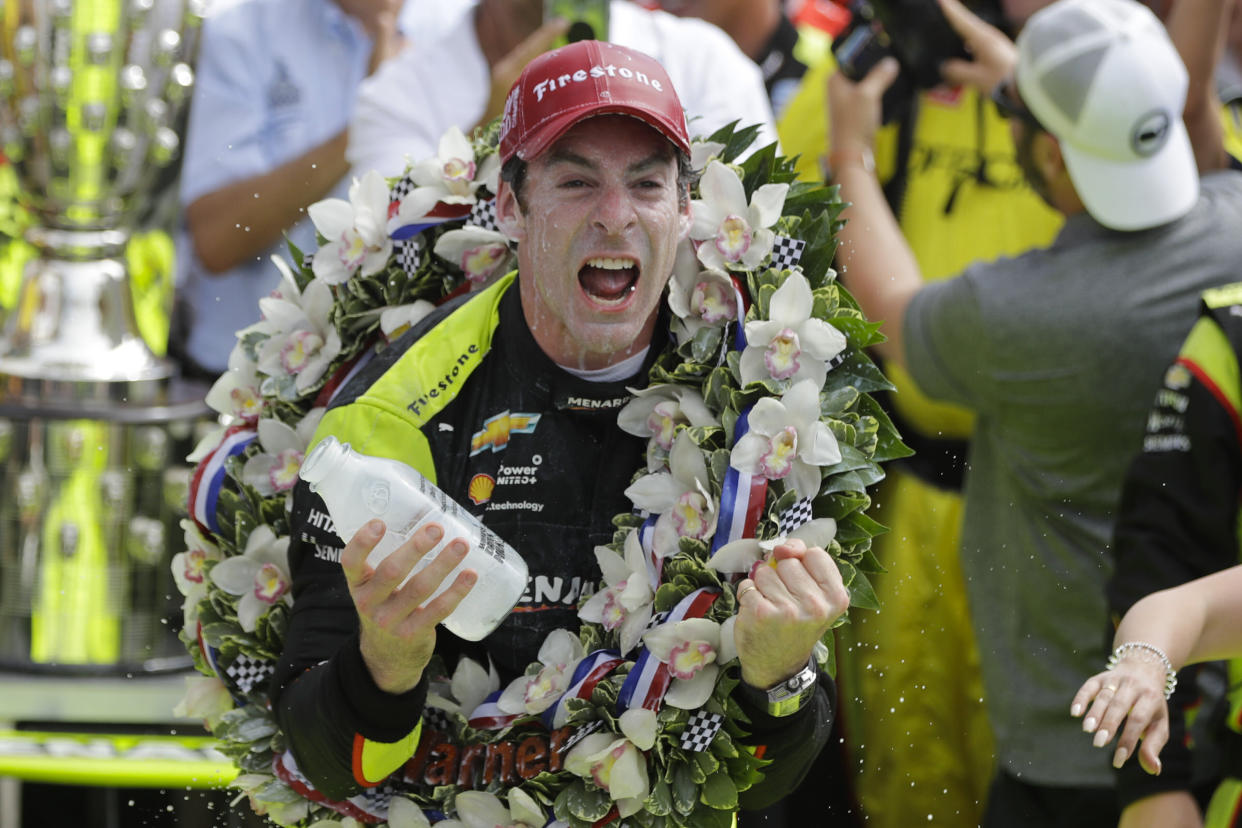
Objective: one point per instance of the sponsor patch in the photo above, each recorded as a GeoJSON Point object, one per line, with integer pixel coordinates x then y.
{"type": "Point", "coordinates": [480, 488]}
{"type": "Point", "coordinates": [445, 385]}
{"type": "Point", "coordinates": [1177, 377]}
{"type": "Point", "coordinates": [496, 431]}
{"type": "Point", "coordinates": [592, 404]}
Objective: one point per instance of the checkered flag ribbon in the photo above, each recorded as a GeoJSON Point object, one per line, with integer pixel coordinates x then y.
{"type": "Point", "coordinates": [786, 252]}
{"type": "Point", "coordinates": [657, 618]}
{"type": "Point", "coordinates": [483, 214]}
{"type": "Point", "coordinates": [701, 728]}
{"type": "Point", "coordinates": [436, 719]}
{"type": "Point", "coordinates": [580, 734]}
{"type": "Point", "coordinates": [375, 801]}
{"type": "Point", "coordinates": [402, 188]}
{"type": "Point", "coordinates": [408, 253]}
{"type": "Point", "coordinates": [795, 516]}
{"type": "Point", "coordinates": [248, 673]}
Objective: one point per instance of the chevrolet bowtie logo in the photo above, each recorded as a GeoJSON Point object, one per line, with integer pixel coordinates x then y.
{"type": "Point", "coordinates": [496, 430]}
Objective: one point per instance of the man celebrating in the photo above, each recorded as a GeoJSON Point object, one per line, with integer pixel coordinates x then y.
{"type": "Point", "coordinates": [1058, 351]}
{"type": "Point", "coordinates": [594, 189]}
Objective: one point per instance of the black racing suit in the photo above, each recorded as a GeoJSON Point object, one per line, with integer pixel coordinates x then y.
{"type": "Point", "coordinates": [1178, 518]}
{"type": "Point", "coordinates": [469, 399]}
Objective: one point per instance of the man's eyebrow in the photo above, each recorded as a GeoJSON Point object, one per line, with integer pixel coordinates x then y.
{"type": "Point", "coordinates": [654, 160]}
{"type": "Point", "coordinates": [559, 155]}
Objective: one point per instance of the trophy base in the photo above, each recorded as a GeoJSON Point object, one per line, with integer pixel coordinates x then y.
{"type": "Point", "coordinates": [90, 501]}
{"type": "Point", "coordinates": [73, 323]}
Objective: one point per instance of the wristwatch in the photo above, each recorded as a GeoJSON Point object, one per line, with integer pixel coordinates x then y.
{"type": "Point", "coordinates": [789, 696]}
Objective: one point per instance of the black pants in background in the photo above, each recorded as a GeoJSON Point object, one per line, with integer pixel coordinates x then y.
{"type": "Point", "coordinates": [1013, 803]}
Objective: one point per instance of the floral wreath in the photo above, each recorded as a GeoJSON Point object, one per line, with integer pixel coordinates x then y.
{"type": "Point", "coordinates": [760, 426]}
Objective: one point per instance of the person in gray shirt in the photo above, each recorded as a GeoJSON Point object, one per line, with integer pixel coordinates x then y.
{"type": "Point", "coordinates": [1058, 351]}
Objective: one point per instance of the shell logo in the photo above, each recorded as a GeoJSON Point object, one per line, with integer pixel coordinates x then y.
{"type": "Point", "coordinates": [480, 488]}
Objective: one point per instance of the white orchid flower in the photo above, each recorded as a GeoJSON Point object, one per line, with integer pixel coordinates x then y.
{"type": "Point", "coordinates": [356, 231]}
{"type": "Point", "coordinates": [235, 393]}
{"type": "Point", "coordinates": [703, 152]}
{"type": "Point", "coordinates": [302, 341]}
{"type": "Point", "coordinates": [189, 569]}
{"type": "Point", "coordinates": [733, 233]}
{"type": "Point", "coordinates": [656, 411]}
{"type": "Point", "coordinates": [787, 440]}
{"type": "Point", "coordinates": [748, 553]}
{"type": "Point", "coordinates": [403, 813]}
{"type": "Point", "coordinates": [701, 298]}
{"type": "Point", "coordinates": [625, 602]}
{"type": "Point", "coordinates": [350, 822]}
{"type": "Point", "coordinates": [791, 345]}
{"type": "Point", "coordinates": [262, 791]}
{"type": "Point", "coordinates": [208, 443]}
{"type": "Point", "coordinates": [679, 496]}
{"type": "Point", "coordinates": [616, 765]}
{"type": "Point", "coordinates": [275, 469]}
{"type": "Point", "coordinates": [479, 809]}
{"type": "Point", "coordinates": [483, 255]}
{"type": "Point", "coordinates": [452, 177]}
{"type": "Point", "coordinates": [398, 319]}
{"type": "Point", "coordinates": [694, 649]}
{"type": "Point", "coordinates": [259, 576]}
{"type": "Point", "coordinates": [531, 695]}
{"type": "Point", "coordinates": [469, 685]}
{"type": "Point", "coordinates": [206, 698]}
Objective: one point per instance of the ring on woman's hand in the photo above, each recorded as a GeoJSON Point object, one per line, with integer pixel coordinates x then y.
{"type": "Point", "coordinates": [1111, 687]}
{"type": "Point", "coordinates": [741, 593]}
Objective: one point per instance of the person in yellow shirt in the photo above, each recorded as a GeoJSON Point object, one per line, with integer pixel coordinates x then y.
{"type": "Point", "coordinates": [911, 694]}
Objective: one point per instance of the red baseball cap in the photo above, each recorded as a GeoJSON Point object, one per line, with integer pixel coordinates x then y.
{"type": "Point", "coordinates": [587, 78]}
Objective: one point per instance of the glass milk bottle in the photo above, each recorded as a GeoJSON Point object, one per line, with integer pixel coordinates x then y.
{"type": "Point", "coordinates": [358, 487]}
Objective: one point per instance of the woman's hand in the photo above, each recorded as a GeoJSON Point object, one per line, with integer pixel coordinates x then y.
{"type": "Point", "coordinates": [1132, 691]}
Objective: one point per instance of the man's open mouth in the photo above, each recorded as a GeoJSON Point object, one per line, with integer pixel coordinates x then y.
{"type": "Point", "coordinates": [608, 280]}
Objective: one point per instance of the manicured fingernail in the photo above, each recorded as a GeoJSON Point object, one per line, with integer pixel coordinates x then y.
{"type": "Point", "coordinates": [1101, 738]}
{"type": "Point", "coordinates": [1159, 767]}
{"type": "Point", "coordinates": [1088, 724]}
{"type": "Point", "coordinates": [434, 532]}
{"type": "Point", "coordinates": [1119, 758]}
{"type": "Point", "coordinates": [1076, 710]}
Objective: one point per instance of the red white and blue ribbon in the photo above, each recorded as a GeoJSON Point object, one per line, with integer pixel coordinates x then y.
{"type": "Point", "coordinates": [439, 214]}
{"type": "Point", "coordinates": [589, 672]}
{"type": "Point", "coordinates": [655, 564]}
{"type": "Point", "coordinates": [208, 478]}
{"type": "Point", "coordinates": [649, 678]}
{"type": "Point", "coordinates": [741, 497]}
{"type": "Point", "coordinates": [489, 716]}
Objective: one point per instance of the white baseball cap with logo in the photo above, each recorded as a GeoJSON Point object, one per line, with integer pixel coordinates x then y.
{"type": "Point", "coordinates": [1103, 77]}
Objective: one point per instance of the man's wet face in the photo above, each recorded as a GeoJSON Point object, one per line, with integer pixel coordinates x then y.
{"type": "Point", "coordinates": [597, 239]}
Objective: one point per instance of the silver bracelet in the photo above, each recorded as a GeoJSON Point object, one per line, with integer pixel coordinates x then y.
{"type": "Point", "coordinates": [1170, 675]}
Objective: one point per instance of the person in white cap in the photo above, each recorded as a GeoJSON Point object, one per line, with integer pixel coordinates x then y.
{"type": "Point", "coordinates": [1058, 352]}
{"type": "Point", "coordinates": [595, 190]}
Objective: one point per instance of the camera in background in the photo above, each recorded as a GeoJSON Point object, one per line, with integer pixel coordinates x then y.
{"type": "Point", "coordinates": [915, 32]}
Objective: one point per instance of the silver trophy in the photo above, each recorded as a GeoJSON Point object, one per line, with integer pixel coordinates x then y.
{"type": "Point", "coordinates": [93, 92]}
{"type": "Point", "coordinates": [92, 424]}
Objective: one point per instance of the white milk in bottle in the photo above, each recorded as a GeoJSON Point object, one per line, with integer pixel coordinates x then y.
{"type": "Point", "coordinates": [358, 487]}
